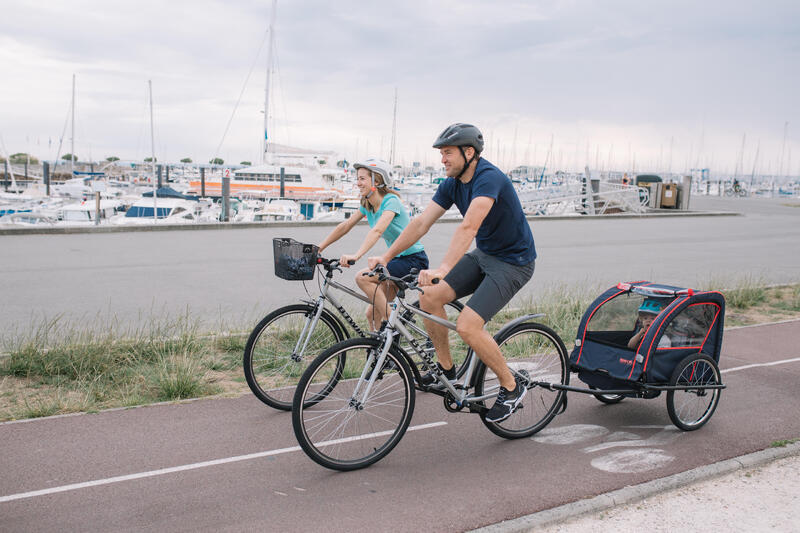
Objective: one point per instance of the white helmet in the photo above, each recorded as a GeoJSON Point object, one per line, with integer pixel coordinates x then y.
{"type": "Point", "coordinates": [377, 165]}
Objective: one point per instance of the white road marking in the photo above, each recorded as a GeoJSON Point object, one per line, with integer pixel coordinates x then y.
{"type": "Point", "coordinates": [192, 466]}
{"type": "Point", "coordinates": [632, 461]}
{"type": "Point", "coordinates": [571, 434]}
{"type": "Point", "coordinates": [754, 365]}
{"type": "Point", "coordinates": [659, 439]}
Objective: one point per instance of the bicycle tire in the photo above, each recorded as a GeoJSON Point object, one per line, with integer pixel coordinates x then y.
{"type": "Point", "coordinates": [536, 350]}
{"type": "Point", "coordinates": [691, 409]}
{"type": "Point", "coordinates": [269, 368]}
{"type": "Point", "coordinates": [339, 432]}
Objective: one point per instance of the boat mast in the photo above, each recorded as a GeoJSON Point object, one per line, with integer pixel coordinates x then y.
{"type": "Point", "coordinates": [269, 71]}
{"type": "Point", "coordinates": [394, 130]}
{"type": "Point", "coordinates": [72, 148]}
{"type": "Point", "coordinates": [153, 155]}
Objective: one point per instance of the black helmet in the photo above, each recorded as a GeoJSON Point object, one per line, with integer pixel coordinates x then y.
{"type": "Point", "coordinates": [460, 134]}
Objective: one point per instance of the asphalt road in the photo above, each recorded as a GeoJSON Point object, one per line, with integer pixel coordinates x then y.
{"type": "Point", "coordinates": [224, 278]}
{"type": "Point", "coordinates": [233, 464]}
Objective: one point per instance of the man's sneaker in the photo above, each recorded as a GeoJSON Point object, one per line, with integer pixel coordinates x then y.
{"type": "Point", "coordinates": [429, 378]}
{"type": "Point", "coordinates": [507, 402]}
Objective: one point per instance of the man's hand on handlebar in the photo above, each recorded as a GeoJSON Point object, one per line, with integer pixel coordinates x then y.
{"type": "Point", "coordinates": [347, 260]}
{"type": "Point", "coordinates": [431, 277]}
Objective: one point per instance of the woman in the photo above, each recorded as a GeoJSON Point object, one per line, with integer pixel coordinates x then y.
{"type": "Point", "coordinates": [386, 217]}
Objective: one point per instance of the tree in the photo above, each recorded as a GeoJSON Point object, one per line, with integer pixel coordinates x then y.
{"type": "Point", "coordinates": [217, 161]}
{"type": "Point", "coordinates": [246, 163]}
{"type": "Point", "coordinates": [67, 157]}
{"type": "Point", "coordinates": [150, 160]}
{"type": "Point", "coordinates": [186, 160]}
{"type": "Point", "coordinates": [112, 158]}
{"type": "Point", "coordinates": [21, 159]}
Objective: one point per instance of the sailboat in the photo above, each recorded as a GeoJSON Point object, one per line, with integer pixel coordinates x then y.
{"type": "Point", "coordinates": [303, 176]}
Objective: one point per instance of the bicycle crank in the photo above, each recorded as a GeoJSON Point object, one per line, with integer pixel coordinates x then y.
{"type": "Point", "coordinates": [451, 404]}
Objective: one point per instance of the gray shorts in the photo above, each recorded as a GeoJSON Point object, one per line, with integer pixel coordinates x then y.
{"type": "Point", "coordinates": [491, 282]}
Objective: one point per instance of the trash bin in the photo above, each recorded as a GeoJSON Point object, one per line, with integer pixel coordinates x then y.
{"type": "Point", "coordinates": [669, 195]}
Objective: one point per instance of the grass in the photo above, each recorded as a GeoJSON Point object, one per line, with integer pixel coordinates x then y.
{"type": "Point", "coordinates": [747, 293]}
{"type": "Point", "coordinates": [65, 367]}
{"type": "Point", "coordinates": [783, 443]}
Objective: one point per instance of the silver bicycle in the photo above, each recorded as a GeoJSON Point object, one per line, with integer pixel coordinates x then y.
{"type": "Point", "coordinates": [287, 339]}
{"type": "Point", "coordinates": [355, 401]}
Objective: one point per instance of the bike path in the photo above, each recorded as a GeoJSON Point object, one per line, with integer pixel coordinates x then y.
{"type": "Point", "coordinates": [447, 477]}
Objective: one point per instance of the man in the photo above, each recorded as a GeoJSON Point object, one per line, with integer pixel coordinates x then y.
{"type": "Point", "coordinates": [501, 264]}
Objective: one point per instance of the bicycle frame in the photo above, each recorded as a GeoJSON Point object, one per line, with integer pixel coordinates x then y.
{"type": "Point", "coordinates": [325, 295]}
{"type": "Point", "coordinates": [395, 328]}
{"type": "Point", "coordinates": [319, 305]}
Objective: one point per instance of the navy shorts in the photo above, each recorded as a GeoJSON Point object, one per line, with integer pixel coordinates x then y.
{"type": "Point", "coordinates": [401, 265]}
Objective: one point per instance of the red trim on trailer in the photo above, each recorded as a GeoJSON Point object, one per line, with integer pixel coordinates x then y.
{"type": "Point", "coordinates": [708, 331]}
{"type": "Point", "coordinates": [583, 339]}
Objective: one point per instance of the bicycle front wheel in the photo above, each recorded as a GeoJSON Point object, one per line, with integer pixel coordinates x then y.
{"type": "Point", "coordinates": [349, 425]}
{"type": "Point", "coordinates": [274, 358]}
{"type": "Point", "coordinates": [536, 353]}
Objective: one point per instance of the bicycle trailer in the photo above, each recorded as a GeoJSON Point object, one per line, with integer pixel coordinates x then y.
{"type": "Point", "coordinates": [638, 339]}
{"type": "Point", "coordinates": [686, 322]}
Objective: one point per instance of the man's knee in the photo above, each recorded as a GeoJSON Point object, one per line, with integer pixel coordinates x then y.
{"type": "Point", "coordinates": [436, 297]}
{"type": "Point", "coordinates": [469, 324]}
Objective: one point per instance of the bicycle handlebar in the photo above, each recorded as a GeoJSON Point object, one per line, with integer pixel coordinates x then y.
{"type": "Point", "coordinates": [332, 264]}
{"type": "Point", "coordinates": [409, 281]}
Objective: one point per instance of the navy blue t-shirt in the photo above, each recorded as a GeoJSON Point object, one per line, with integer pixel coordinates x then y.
{"type": "Point", "coordinates": [505, 232]}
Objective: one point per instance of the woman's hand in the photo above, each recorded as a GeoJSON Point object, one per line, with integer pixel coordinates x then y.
{"type": "Point", "coordinates": [374, 261]}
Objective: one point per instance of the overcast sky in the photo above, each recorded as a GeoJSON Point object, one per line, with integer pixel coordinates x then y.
{"type": "Point", "coordinates": [626, 83]}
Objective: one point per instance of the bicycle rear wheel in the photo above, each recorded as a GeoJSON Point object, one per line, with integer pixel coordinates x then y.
{"type": "Point", "coordinates": [335, 425]}
{"type": "Point", "coordinates": [536, 353]}
{"type": "Point", "coordinates": [272, 367]}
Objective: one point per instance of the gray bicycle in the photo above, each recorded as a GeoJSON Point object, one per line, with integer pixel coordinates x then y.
{"type": "Point", "coordinates": [355, 401]}
{"type": "Point", "coordinates": [286, 340]}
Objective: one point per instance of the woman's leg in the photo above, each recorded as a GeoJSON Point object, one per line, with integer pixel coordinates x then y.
{"type": "Point", "coordinates": [384, 295]}
{"type": "Point", "coordinates": [368, 285]}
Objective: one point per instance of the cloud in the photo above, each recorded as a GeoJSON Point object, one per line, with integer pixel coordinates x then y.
{"type": "Point", "coordinates": [610, 74]}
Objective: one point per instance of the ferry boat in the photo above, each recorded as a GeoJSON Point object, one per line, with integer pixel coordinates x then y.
{"type": "Point", "coordinates": [304, 178]}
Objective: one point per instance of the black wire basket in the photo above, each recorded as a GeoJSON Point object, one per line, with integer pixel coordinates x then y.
{"type": "Point", "coordinates": [294, 261]}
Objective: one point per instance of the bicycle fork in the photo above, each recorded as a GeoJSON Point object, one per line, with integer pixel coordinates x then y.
{"type": "Point", "coordinates": [308, 327]}
{"type": "Point", "coordinates": [372, 368]}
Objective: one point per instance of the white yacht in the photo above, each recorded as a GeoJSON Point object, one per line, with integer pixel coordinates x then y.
{"type": "Point", "coordinates": [170, 211]}
{"type": "Point", "coordinates": [304, 177]}
{"type": "Point", "coordinates": [85, 213]}
{"type": "Point", "coordinates": [278, 210]}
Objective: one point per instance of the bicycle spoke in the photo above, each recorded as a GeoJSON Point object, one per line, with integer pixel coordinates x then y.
{"type": "Point", "coordinates": [336, 430]}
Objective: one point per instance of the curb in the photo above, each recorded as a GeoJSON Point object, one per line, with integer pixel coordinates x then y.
{"type": "Point", "coordinates": [636, 493]}
{"type": "Point", "coordinates": [71, 230]}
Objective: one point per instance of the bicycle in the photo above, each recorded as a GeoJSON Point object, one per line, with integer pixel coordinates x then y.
{"type": "Point", "coordinates": [735, 190]}
{"type": "Point", "coordinates": [283, 341]}
{"type": "Point", "coordinates": [354, 402]}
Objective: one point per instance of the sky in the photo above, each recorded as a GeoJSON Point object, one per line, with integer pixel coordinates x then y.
{"type": "Point", "coordinates": [625, 84]}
